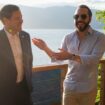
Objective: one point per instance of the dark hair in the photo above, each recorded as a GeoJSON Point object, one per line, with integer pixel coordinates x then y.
{"type": "Point", "coordinates": [89, 11]}
{"type": "Point", "coordinates": [7, 11]}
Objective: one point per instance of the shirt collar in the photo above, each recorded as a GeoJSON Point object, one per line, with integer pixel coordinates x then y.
{"type": "Point", "coordinates": [8, 33]}
{"type": "Point", "coordinates": [90, 30]}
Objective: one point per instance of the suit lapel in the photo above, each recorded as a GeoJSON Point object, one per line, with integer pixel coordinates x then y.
{"type": "Point", "coordinates": [22, 41]}
{"type": "Point", "coordinates": [7, 51]}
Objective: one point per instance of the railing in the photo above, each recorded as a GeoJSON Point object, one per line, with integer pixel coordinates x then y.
{"type": "Point", "coordinates": [47, 82]}
{"type": "Point", "coordinates": [56, 74]}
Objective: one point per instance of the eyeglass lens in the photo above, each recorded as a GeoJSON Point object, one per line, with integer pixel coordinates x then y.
{"type": "Point", "coordinates": [83, 16]}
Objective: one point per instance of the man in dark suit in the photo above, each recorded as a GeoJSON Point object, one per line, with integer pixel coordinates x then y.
{"type": "Point", "coordinates": [15, 59]}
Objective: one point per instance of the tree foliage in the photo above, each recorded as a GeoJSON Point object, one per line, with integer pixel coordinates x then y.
{"type": "Point", "coordinates": [100, 16]}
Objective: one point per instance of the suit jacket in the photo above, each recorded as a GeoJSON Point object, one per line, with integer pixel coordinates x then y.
{"type": "Point", "coordinates": [8, 72]}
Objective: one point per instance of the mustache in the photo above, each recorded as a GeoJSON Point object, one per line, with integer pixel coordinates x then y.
{"type": "Point", "coordinates": [80, 22]}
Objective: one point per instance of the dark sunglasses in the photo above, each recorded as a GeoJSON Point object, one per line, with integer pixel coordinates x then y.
{"type": "Point", "coordinates": [82, 16]}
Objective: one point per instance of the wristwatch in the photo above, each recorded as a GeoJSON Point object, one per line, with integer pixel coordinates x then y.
{"type": "Point", "coordinates": [73, 56]}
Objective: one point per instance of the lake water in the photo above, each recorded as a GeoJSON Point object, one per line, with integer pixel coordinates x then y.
{"type": "Point", "coordinates": [53, 38]}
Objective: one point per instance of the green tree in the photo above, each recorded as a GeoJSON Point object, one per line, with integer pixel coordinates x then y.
{"type": "Point", "coordinates": [100, 16]}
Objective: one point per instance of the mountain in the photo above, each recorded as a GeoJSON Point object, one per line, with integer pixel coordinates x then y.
{"type": "Point", "coordinates": [55, 17]}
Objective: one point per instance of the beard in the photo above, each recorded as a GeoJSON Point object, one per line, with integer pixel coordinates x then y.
{"type": "Point", "coordinates": [82, 27]}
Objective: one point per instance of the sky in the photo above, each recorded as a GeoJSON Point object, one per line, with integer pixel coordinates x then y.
{"type": "Point", "coordinates": [96, 4]}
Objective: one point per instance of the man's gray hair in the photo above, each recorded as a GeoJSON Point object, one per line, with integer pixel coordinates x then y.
{"type": "Point", "coordinates": [7, 11]}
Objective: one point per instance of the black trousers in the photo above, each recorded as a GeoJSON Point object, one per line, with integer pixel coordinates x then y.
{"type": "Point", "coordinates": [23, 96]}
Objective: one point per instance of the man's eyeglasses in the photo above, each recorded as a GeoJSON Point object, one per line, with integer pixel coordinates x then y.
{"type": "Point", "coordinates": [82, 16]}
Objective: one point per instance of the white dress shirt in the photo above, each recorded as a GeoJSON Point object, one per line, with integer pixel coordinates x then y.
{"type": "Point", "coordinates": [15, 44]}
{"type": "Point", "coordinates": [82, 77]}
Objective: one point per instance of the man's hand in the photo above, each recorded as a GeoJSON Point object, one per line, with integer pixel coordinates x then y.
{"type": "Point", "coordinates": [43, 46]}
{"type": "Point", "coordinates": [62, 55]}
{"type": "Point", "coordinates": [39, 43]}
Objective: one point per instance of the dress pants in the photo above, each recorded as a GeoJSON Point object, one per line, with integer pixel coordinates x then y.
{"type": "Point", "coordinates": [23, 96]}
{"type": "Point", "coordinates": [75, 98]}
